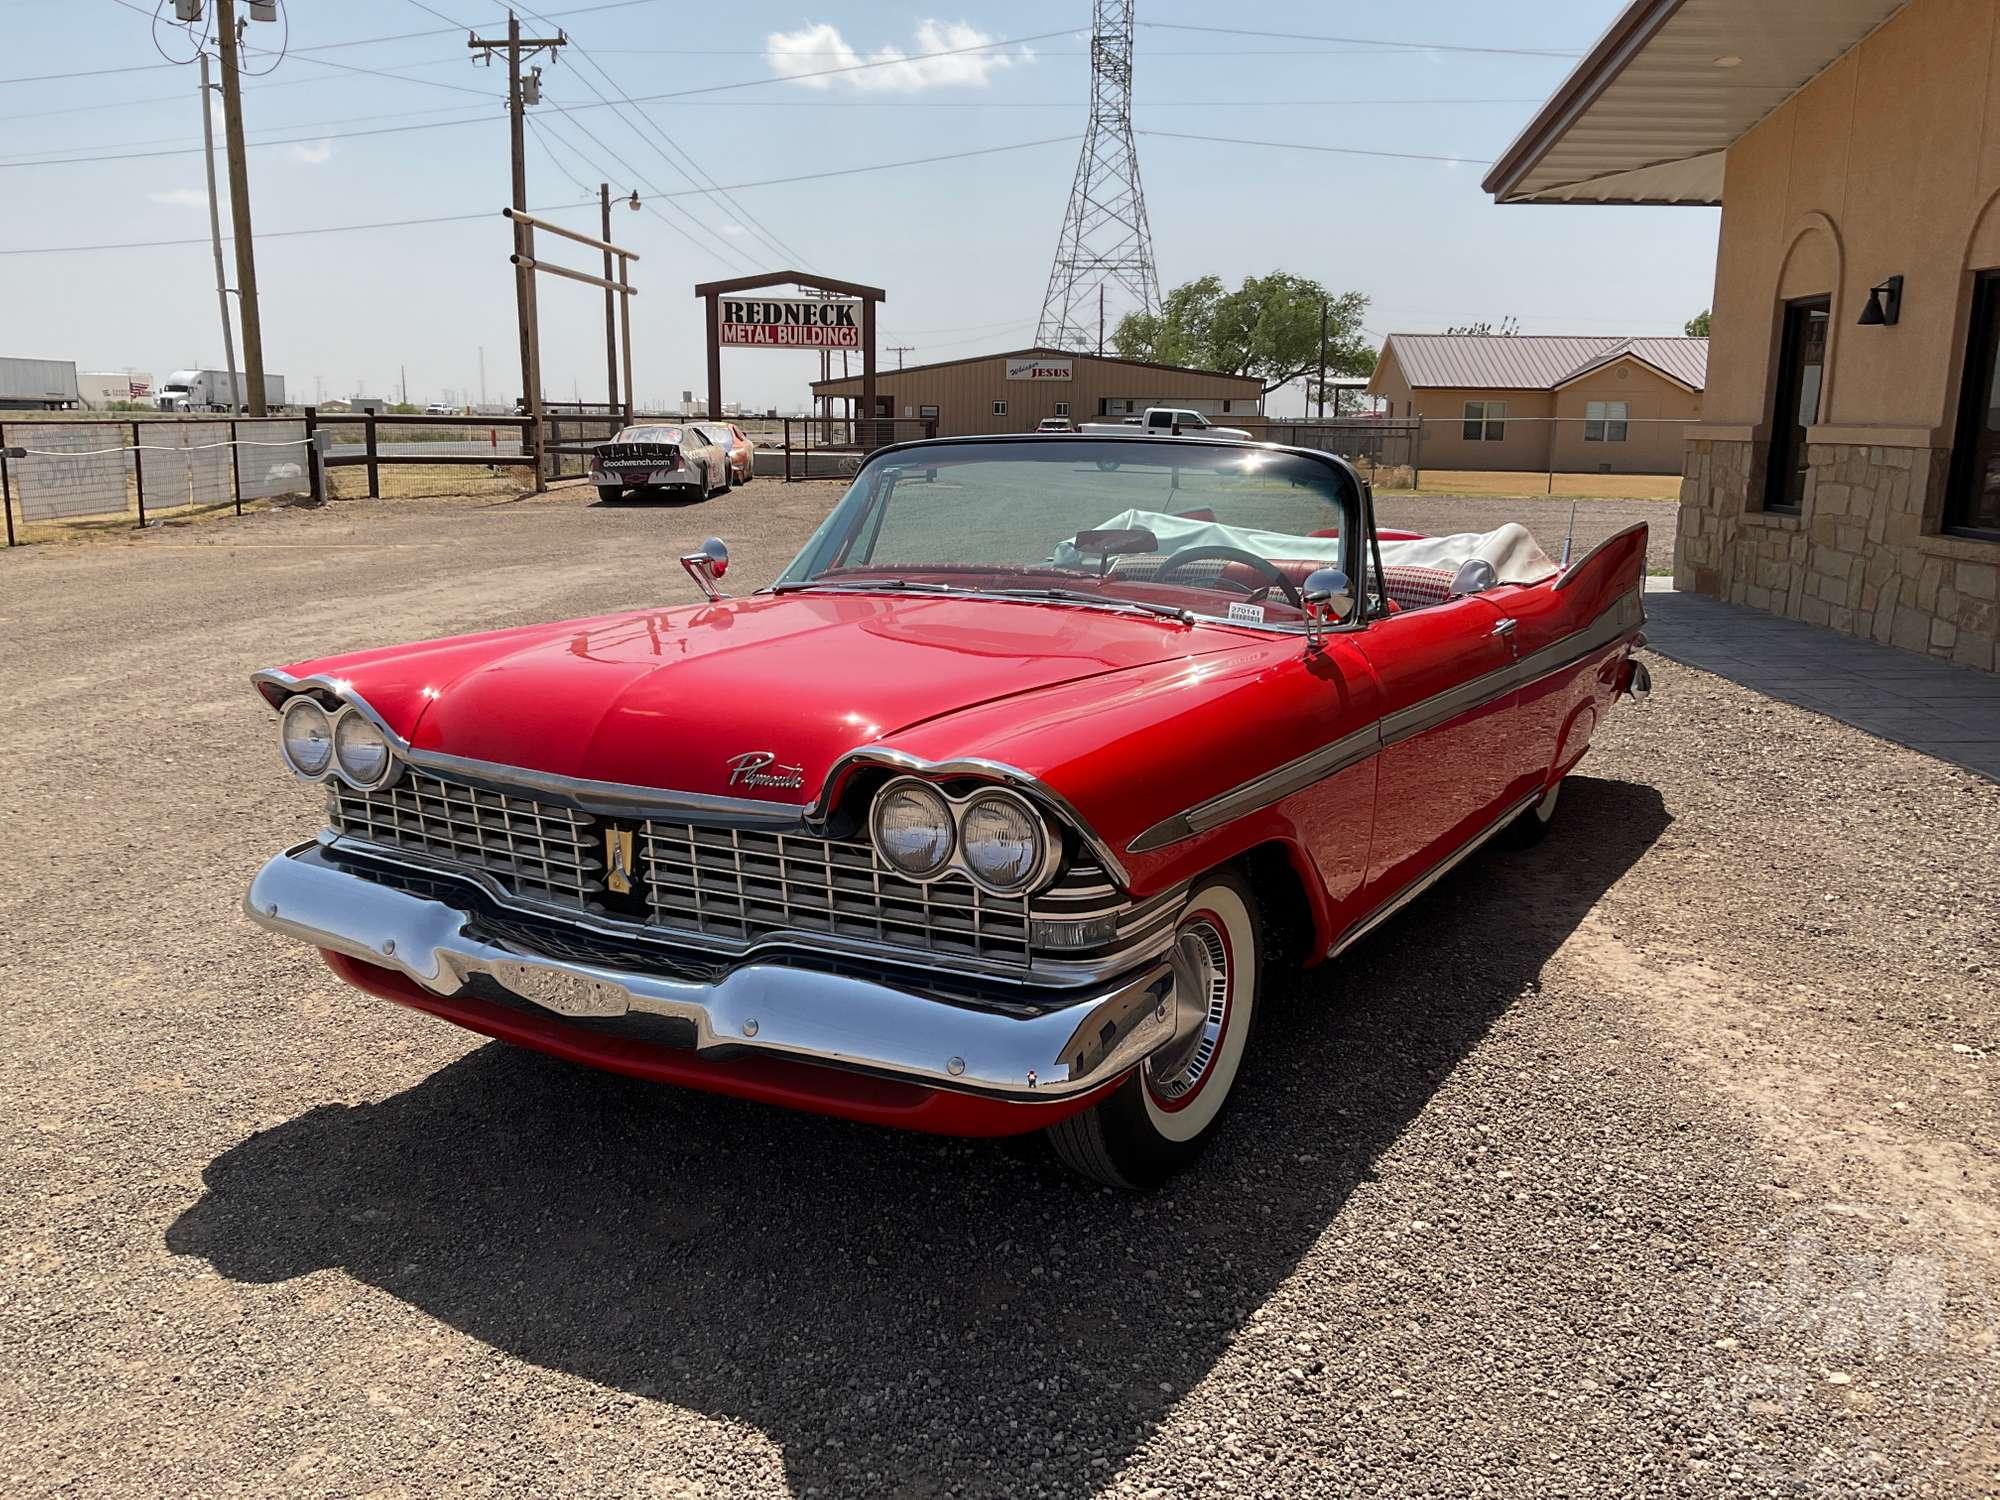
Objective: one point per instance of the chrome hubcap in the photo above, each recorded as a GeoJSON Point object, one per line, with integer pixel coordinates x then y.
{"type": "Point", "coordinates": [1201, 1005]}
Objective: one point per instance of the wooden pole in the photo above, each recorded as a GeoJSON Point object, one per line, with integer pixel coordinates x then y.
{"type": "Point", "coordinates": [625, 320]}
{"type": "Point", "coordinates": [610, 307]}
{"type": "Point", "coordinates": [714, 313]}
{"type": "Point", "coordinates": [868, 372]}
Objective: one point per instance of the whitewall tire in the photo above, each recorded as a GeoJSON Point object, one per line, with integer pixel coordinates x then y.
{"type": "Point", "coordinates": [1164, 1113]}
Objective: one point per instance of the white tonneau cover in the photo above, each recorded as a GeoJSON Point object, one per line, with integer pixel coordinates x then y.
{"type": "Point", "coordinates": [1515, 555]}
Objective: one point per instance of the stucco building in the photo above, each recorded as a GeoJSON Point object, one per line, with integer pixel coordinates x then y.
{"type": "Point", "coordinates": [1533, 401]}
{"type": "Point", "coordinates": [1014, 391]}
{"type": "Point", "coordinates": [1847, 468]}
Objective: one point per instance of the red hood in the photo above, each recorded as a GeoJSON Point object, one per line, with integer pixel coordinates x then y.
{"type": "Point", "coordinates": [667, 698]}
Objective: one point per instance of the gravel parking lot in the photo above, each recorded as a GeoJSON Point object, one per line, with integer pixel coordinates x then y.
{"type": "Point", "coordinates": [1658, 1160]}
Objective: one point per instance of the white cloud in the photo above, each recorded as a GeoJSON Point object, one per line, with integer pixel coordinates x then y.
{"type": "Point", "coordinates": [820, 48]}
{"type": "Point", "coordinates": [182, 197]}
{"type": "Point", "coordinates": [315, 154]}
{"type": "Point", "coordinates": [734, 229]}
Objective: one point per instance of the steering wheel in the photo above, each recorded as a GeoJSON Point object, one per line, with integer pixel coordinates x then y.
{"type": "Point", "coordinates": [1249, 559]}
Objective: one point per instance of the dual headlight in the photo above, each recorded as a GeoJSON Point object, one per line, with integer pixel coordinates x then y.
{"type": "Point", "coordinates": [994, 836]}
{"type": "Point", "coordinates": [316, 743]}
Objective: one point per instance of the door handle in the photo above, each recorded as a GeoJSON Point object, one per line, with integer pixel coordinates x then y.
{"type": "Point", "coordinates": [1504, 627]}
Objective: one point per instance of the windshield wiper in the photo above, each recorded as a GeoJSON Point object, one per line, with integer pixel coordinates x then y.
{"type": "Point", "coordinates": [1078, 596]}
{"type": "Point", "coordinates": [867, 585]}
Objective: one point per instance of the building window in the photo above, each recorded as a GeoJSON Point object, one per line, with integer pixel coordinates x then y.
{"type": "Point", "coordinates": [1485, 421]}
{"type": "Point", "coordinates": [1972, 500]}
{"type": "Point", "coordinates": [999, 408]}
{"type": "Point", "coordinates": [1801, 373]}
{"type": "Point", "coordinates": [1062, 408]}
{"type": "Point", "coordinates": [1604, 421]}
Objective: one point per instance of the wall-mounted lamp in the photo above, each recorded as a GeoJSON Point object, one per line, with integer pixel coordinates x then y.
{"type": "Point", "coordinates": [1885, 304]}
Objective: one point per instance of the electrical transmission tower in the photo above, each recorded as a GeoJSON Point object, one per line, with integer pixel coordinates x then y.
{"type": "Point", "coordinates": [1105, 238]}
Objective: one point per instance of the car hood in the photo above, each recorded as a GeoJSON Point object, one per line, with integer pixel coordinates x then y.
{"type": "Point", "coordinates": [673, 698]}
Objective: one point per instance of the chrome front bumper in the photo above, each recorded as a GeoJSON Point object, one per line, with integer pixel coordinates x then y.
{"type": "Point", "coordinates": [1070, 1044]}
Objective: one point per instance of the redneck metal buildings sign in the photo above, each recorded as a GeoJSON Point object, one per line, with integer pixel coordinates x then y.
{"type": "Point", "coordinates": [789, 323]}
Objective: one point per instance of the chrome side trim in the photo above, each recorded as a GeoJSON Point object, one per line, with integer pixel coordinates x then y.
{"type": "Point", "coordinates": [805, 1015]}
{"type": "Point", "coordinates": [1430, 877]}
{"type": "Point", "coordinates": [1625, 613]}
{"type": "Point", "coordinates": [1272, 786]}
{"type": "Point", "coordinates": [1569, 574]}
{"type": "Point", "coordinates": [615, 799]}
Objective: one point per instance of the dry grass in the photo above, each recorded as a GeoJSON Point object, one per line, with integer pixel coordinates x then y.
{"type": "Point", "coordinates": [425, 481]}
{"type": "Point", "coordinates": [1501, 484]}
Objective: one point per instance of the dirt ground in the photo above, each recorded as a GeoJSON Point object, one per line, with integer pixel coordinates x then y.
{"type": "Point", "coordinates": [1657, 1160]}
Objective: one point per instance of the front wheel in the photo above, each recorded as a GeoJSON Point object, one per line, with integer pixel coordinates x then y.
{"type": "Point", "coordinates": [1162, 1115]}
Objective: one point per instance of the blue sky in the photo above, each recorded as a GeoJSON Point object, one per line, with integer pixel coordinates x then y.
{"type": "Point", "coordinates": [963, 247]}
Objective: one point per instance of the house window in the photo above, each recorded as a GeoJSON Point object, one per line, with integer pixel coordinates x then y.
{"type": "Point", "coordinates": [1604, 421]}
{"type": "Point", "coordinates": [1972, 499]}
{"type": "Point", "coordinates": [999, 408]}
{"type": "Point", "coordinates": [1801, 372]}
{"type": "Point", "coordinates": [1485, 421]}
{"type": "Point", "coordinates": [1062, 408]}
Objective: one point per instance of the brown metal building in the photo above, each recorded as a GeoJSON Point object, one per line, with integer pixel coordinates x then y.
{"type": "Point", "coordinates": [1014, 391]}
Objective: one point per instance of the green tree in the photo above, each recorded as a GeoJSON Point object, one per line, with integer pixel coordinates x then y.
{"type": "Point", "coordinates": [1268, 327]}
{"type": "Point", "coordinates": [1697, 326]}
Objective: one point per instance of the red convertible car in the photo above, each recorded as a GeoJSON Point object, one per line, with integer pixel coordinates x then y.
{"type": "Point", "coordinates": [991, 815]}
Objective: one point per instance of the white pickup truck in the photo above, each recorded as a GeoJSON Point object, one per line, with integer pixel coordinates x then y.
{"type": "Point", "coordinates": [1163, 421]}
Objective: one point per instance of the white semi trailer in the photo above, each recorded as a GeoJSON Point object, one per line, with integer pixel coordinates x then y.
{"type": "Point", "coordinates": [38, 384]}
{"type": "Point", "coordinates": [210, 390]}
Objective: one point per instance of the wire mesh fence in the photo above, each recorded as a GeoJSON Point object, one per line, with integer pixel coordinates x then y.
{"type": "Point", "coordinates": [68, 471]}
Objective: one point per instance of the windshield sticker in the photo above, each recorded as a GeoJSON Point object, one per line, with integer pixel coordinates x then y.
{"type": "Point", "coordinates": [1250, 614]}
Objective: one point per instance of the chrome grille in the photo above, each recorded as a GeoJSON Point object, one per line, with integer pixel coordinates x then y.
{"type": "Point", "coordinates": [728, 882]}
{"type": "Point", "coordinates": [536, 849]}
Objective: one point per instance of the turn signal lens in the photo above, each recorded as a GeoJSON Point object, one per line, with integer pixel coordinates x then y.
{"type": "Point", "coordinates": [305, 738]}
{"type": "Point", "coordinates": [1004, 842]}
{"type": "Point", "coordinates": [912, 828]}
{"type": "Point", "coordinates": [360, 751]}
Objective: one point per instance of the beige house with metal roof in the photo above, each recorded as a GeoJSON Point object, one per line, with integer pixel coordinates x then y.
{"type": "Point", "coordinates": [1015, 391]}
{"type": "Point", "coordinates": [1847, 468]}
{"type": "Point", "coordinates": [1541, 402]}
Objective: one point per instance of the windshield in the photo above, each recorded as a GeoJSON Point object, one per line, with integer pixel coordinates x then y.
{"type": "Point", "coordinates": [649, 435]}
{"type": "Point", "coordinates": [1222, 531]}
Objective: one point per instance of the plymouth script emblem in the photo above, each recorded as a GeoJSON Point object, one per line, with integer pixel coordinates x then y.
{"type": "Point", "coordinates": [618, 860]}
{"type": "Point", "coordinates": [755, 768]}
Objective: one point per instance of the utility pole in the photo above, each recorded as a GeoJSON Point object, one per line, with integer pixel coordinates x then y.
{"type": "Point", "coordinates": [239, 206]}
{"type": "Point", "coordinates": [610, 308]}
{"type": "Point", "coordinates": [899, 350]}
{"type": "Point", "coordinates": [518, 48]}
{"type": "Point", "coordinates": [403, 378]}
{"type": "Point", "coordinates": [215, 237]}
{"type": "Point", "coordinates": [482, 374]}
{"type": "Point", "coordinates": [1100, 320]}
{"type": "Point", "coordinates": [1323, 305]}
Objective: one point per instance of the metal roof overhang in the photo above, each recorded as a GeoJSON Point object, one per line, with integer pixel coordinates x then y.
{"type": "Point", "coordinates": [1650, 112]}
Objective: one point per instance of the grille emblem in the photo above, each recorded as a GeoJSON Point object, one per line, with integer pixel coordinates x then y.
{"type": "Point", "coordinates": [754, 768]}
{"type": "Point", "coordinates": [618, 860]}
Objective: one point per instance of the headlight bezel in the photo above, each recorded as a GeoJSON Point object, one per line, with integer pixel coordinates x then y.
{"type": "Point", "coordinates": [957, 805]}
{"type": "Point", "coordinates": [391, 765]}
{"type": "Point", "coordinates": [303, 703]}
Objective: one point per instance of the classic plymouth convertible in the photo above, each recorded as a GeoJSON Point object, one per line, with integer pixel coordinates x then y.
{"type": "Point", "coordinates": [991, 815]}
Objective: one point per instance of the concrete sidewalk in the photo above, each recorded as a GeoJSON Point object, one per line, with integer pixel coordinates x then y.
{"type": "Point", "coordinates": [1949, 712]}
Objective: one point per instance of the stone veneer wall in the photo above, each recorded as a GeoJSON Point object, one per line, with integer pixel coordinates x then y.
{"type": "Point", "coordinates": [1857, 559]}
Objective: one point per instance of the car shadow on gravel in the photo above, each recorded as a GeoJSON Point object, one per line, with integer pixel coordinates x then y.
{"type": "Point", "coordinates": [899, 1313]}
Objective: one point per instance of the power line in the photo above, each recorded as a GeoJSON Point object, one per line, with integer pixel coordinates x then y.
{"type": "Point", "coordinates": [692, 172]}
{"type": "Point", "coordinates": [1361, 41]}
{"type": "Point", "coordinates": [278, 234]}
{"type": "Point", "coordinates": [546, 132]}
{"type": "Point", "coordinates": [1224, 140]}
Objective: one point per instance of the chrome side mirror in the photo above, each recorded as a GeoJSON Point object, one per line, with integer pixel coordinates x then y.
{"type": "Point", "coordinates": [1474, 576]}
{"type": "Point", "coordinates": [707, 565]}
{"type": "Point", "coordinates": [1326, 592]}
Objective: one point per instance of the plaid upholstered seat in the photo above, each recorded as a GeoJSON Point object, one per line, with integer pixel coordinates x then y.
{"type": "Point", "coordinates": [1413, 587]}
